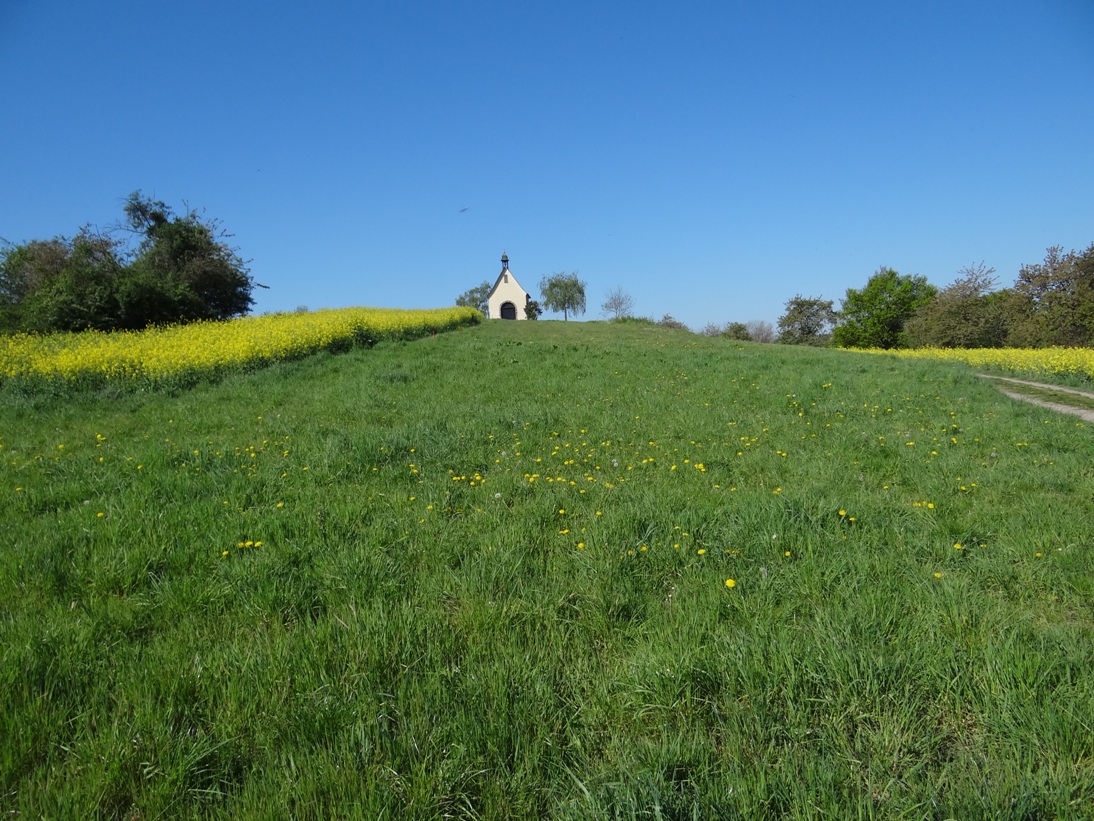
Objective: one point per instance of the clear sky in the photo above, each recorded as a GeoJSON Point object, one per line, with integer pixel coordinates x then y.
{"type": "Point", "coordinates": [713, 159]}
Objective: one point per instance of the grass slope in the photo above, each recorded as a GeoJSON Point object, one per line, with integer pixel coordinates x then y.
{"type": "Point", "coordinates": [557, 570]}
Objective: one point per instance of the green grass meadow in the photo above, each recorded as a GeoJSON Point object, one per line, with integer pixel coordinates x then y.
{"type": "Point", "coordinates": [549, 570]}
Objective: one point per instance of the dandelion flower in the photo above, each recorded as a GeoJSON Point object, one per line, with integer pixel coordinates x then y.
{"type": "Point", "coordinates": [731, 583]}
{"type": "Point", "coordinates": [938, 575]}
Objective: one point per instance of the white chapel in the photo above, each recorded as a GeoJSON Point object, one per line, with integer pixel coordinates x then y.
{"type": "Point", "coordinates": [507, 299]}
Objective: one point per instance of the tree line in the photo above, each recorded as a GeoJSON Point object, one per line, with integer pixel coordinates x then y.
{"type": "Point", "coordinates": [1051, 303]}
{"type": "Point", "coordinates": [178, 270]}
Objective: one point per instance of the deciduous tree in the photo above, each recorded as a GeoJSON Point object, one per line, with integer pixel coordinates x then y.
{"type": "Point", "coordinates": [563, 292]}
{"type": "Point", "coordinates": [182, 270]}
{"type": "Point", "coordinates": [1060, 296]}
{"type": "Point", "coordinates": [807, 321]}
{"type": "Point", "coordinates": [738, 331]}
{"type": "Point", "coordinates": [760, 331]}
{"type": "Point", "coordinates": [874, 317]}
{"type": "Point", "coordinates": [61, 284]}
{"type": "Point", "coordinates": [618, 304]}
{"type": "Point", "coordinates": [476, 298]}
{"type": "Point", "coordinates": [184, 266]}
{"type": "Point", "coordinates": [964, 314]}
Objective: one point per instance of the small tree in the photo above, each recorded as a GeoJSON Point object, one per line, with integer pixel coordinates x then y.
{"type": "Point", "coordinates": [563, 292]}
{"type": "Point", "coordinates": [532, 309]}
{"type": "Point", "coordinates": [476, 298]}
{"type": "Point", "coordinates": [962, 315]}
{"type": "Point", "coordinates": [61, 284]}
{"type": "Point", "coordinates": [807, 321]}
{"type": "Point", "coordinates": [618, 304]}
{"type": "Point", "coordinates": [760, 331]}
{"type": "Point", "coordinates": [1060, 296]}
{"type": "Point", "coordinates": [874, 317]}
{"type": "Point", "coordinates": [1020, 324]}
{"type": "Point", "coordinates": [183, 270]}
{"type": "Point", "coordinates": [738, 331]}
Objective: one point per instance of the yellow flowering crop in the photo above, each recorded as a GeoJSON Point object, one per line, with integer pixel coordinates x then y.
{"type": "Point", "coordinates": [1022, 361]}
{"type": "Point", "coordinates": [205, 349]}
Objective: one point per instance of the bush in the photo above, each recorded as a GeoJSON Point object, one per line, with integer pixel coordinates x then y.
{"type": "Point", "coordinates": [668, 321]}
{"type": "Point", "coordinates": [181, 271]}
{"type": "Point", "coordinates": [738, 331]}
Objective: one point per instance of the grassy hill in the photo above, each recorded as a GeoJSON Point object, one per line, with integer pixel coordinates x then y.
{"type": "Point", "coordinates": [549, 570]}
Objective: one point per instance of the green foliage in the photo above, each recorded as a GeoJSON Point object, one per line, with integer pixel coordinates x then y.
{"type": "Point", "coordinates": [807, 321]}
{"type": "Point", "coordinates": [405, 625]}
{"type": "Point", "coordinates": [669, 321]}
{"type": "Point", "coordinates": [964, 314]}
{"type": "Point", "coordinates": [644, 321]}
{"type": "Point", "coordinates": [1059, 293]}
{"type": "Point", "coordinates": [182, 263]}
{"type": "Point", "coordinates": [1019, 323]}
{"type": "Point", "coordinates": [738, 331]}
{"type": "Point", "coordinates": [563, 292]}
{"type": "Point", "coordinates": [476, 298]}
{"type": "Point", "coordinates": [181, 271]}
{"type": "Point", "coordinates": [532, 309]}
{"type": "Point", "coordinates": [874, 317]}
{"type": "Point", "coordinates": [1051, 304]}
{"type": "Point", "coordinates": [61, 284]}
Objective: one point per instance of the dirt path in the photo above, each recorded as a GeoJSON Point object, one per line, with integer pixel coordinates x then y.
{"type": "Point", "coordinates": [1085, 414]}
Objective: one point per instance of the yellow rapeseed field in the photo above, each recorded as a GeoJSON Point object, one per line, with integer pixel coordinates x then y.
{"type": "Point", "coordinates": [1028, 362]}
{"type": "Point", "coordinates": [204, 349]}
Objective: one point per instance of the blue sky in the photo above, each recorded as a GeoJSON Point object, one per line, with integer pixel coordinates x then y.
{"type": "Point", "coordinates": [713, 159]}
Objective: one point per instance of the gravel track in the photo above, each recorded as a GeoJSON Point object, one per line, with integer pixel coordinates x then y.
{"type": "Point", "coordinates": [1085, 414]}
